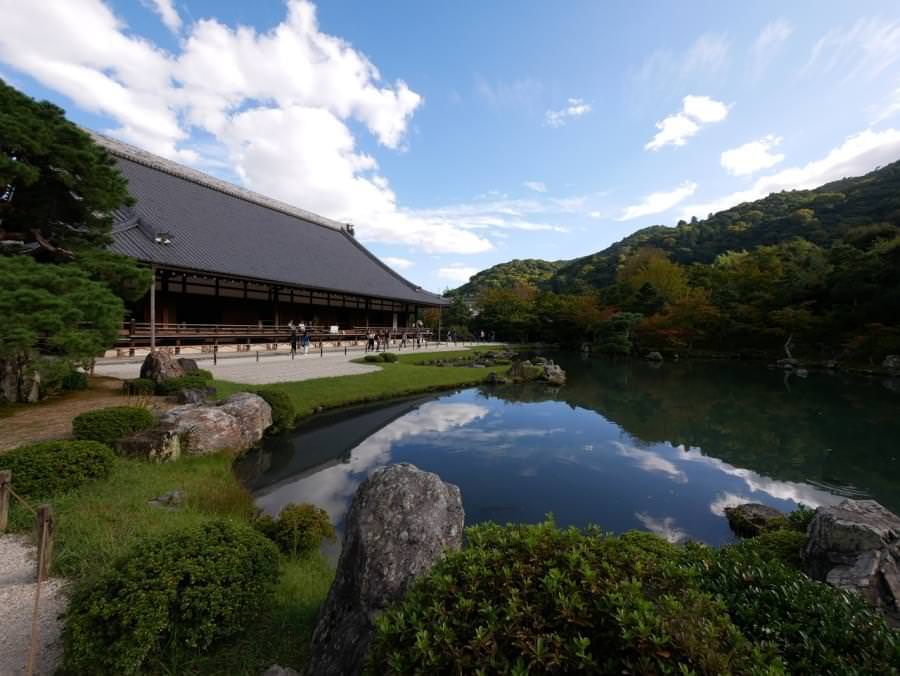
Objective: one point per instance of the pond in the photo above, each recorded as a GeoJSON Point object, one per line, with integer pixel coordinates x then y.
{"type": "Point", "coordinates": [627, 445]}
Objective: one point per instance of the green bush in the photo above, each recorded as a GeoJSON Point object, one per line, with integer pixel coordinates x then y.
{"type": "Point", "coordinates": [202, 373]}
{"type": "Point", "coordinates": [74, 380]}
{"type": "Point", "coordinates": [107, 425]}
{"type": "Point", "coordinates": [800, 518]}
{"type": "Point", "coordinates": [816, 629]}
{"type": "Point", "coordinates": [191, 381]}
{"type": "Point", "coordinates": [372, 358]}
{"type": "Point", "coordinates": [284, 413]}
{"type": "Point", "coordinates": [783, 545]}
{"type": "Point", "coordinates": [298, 530]}
{"type": "Point", "coordinates": [139, 386]}
{"type": "Point", "coordinates": [179, 591]}
{"type": "Point", "coordinates": [52, 467]}
{"type": "Point", "coordinates": [389, 357]}
{"type": "Point", "coordinates": [536, 599]}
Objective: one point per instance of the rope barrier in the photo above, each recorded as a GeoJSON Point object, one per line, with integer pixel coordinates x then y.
{"type": "Point", "coordinates": [22, 500]}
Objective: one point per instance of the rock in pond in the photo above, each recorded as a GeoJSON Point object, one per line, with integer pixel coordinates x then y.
{"type": "Point", "coordinates": [892, 364]}
{"type": "Point", "coordinates": [654, 356]}
{"type": "Point", "coordinates": [855, 546]}
{"type": "Point", "coordinates": [401, 522]}
{"type": "Point", "coordinates": [752, 518]}
{"type": "Point", "coordinates": [235, 425]}
{"type": "Point", "coordinates": [159, 365]}
{"type": "Point", "coordinates": [554, 374]}
{"type": "Point", "coordinates": [158, 444]}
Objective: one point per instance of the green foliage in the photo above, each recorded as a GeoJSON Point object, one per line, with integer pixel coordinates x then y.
{"type": "Point", "coordinates": [53, 310]}
{"type": "Point", "coordinates": [139, 386]}
{"type": "Point", "coordinates": [815, 628]}
{"type": "Point", "coordinates": [108, 425]}
{"type": "Point", "coordinates": [298, 530]}
{"type": "Point", "coordinates": [528, 272]}
{"type": "Point", "coordinates": [388, 357]}
{"type": "Point", "coordinates": [59, 176]}
{"type": "Point", "coordinates": [191, 381]}
{"type": "Point", "coordinates": [782, 545]}
{"type": "Point", "coordinates": [53, 467]}
{"type": "Point", "coordinates": [372, 358]}
{"type": "Point", "coordinates": [284, 413]}
{"type": "Point", "coordinates": [123, 275]}
{"type": "Point", "coordinates": [74, 380]}
{"type": "Point", "coordinates": [202, 373]}
{"type": "Point", "coordinates": [800, 518]}
{"type": "Point", "coordinates": [181, 590]}
{"type": "Point", "coordinates": [537, 599]}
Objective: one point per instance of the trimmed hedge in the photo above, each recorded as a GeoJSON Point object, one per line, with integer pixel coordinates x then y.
{"type": "Point", "coordinates": [139, 386]}
{"type": "Point", "coordinates": [52, 467]}
{"type": "Point", "coordinates": [536, 599]}
{"type": "Point", "coordinates": [372, 358]}
{"type": "Point", "coordinates": [284, 413]}
{"type": "Point", "coordinates": [192, 381]}
{"type": "Point", "coordinates": [299, 529]}
{"type": "Point", "coordinates": [179, 591]}
{"type": "Point", "coordinates": [74, 380]}
{"type": "Point", "coordinates": [389, 357]}
{"type": "Point", "coordinates": [108, 425]}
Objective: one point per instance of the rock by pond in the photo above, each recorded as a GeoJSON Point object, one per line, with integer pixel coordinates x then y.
{"type": "Point", "coordinates": [401, 522]}
{"type": "Point", "coordinates": [160, 365]}
{"type": "Point", "coordinates": [235, 425]}
{"type": "Point", "coordinates": [752, 518]}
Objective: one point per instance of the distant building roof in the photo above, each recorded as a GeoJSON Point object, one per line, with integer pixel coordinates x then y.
{"type": "Point", "coordinates": [218, 227]}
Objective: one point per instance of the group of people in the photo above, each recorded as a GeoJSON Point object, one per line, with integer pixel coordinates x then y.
{"type": "Point", "coordinates": [298, 334]}
{"type": "Point", "coordinates": [376, 341]}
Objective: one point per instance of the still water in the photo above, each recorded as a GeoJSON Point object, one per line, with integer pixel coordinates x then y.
{"type": "Point", "coordinates": [627, 445]}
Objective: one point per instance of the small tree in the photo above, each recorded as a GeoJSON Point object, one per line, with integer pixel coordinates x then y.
{"type": "Point", "coordinates": [52, 311]}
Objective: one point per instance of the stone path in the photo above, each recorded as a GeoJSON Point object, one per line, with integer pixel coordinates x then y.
{"type": "Point", "coordinates": [17, 588]}
{"type": "Point", "coordinates": [271, 367]}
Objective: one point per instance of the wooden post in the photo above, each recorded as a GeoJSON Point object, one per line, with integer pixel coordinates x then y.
{"type": "Point", "coordinates": [5, 481]}
{"type": "Point", "coordinates": [153, 310]}
{"type": "Point", "coordinates": [44, 523]}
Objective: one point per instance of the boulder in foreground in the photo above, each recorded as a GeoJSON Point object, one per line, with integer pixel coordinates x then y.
{"type": "Point", "coordinates": [400, 524]}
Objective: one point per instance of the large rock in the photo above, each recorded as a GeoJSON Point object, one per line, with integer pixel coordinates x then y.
{"type": "Point", "coordinates": [855, 546]}
{"type": "Point", "coordinates": [654, 356]}
{"type": "Point", "coordinates": [752, 518]}
{"type": "Point", "coordinates": [892, 364]}
{"type": "Point", "coordinates": [195, 395]}
{"type": "Point", "coordinates": [400, 524]}
{"type": "Point", "coordinates": [159, 365]}
{"type": "Point", "coordinates": [188, 365]}
{"type": "Point", "coordinates": [235, 426]}
{"type": "Point", "coordinates": [554, 374]}
{"type": "Point", "coordinates": [22, 386]}
{"type": "Point", "coordinates": [158, 444]}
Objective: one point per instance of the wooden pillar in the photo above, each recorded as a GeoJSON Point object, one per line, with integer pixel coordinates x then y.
{"type": "Point", "coordinates": [44, 523]}
{"type": "Point", "coordinates": [153, 309]}
{"type": "Point", "coordinates": [5, 482]}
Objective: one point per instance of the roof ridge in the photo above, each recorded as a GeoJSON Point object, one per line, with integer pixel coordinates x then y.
{"type": "Point", "coordinates": [148, 159]}
{"type": "Point", "coordinates": [413, 286]}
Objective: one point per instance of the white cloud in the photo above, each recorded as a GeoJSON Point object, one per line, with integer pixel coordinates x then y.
{"type": "Point", "coordinates": [650, 461]}
{"type": "Point", "coordinates": [168, 14]}
{"type": "Point", "coordinates": [695, 112]}
{"type": "Point", "coordinates": [398, 263]}
{"type": "Point", "coordinates": [574, 108]}
{"type": "Point", "coordinates": [707, 56]}
{"type": "Point", "coordinates": [537, 186]}
{"type": "Point", "coordinates": [857, 155]}
{"type": "Point", "coordinates": [457, 273]}
{"type": "Point", "coordinates": [768, 43]}
{"type": "Point", "coordinates": [751, 157]}
{"type": "Point", "coordinates": [274, 108]}
{"type": "Point", "coordinates": [522, 93]}
{"type": "Point", "coordinates": [658, 202]}
{"type": "Point", "coordinates": [888, 108]}
{"type": "Point", "coordinates": [664, 527]}
{"type": "Point", "coordinates": [864, 50]}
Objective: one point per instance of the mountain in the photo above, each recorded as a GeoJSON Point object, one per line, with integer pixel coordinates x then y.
{"type": "Point", "coordinates": [530, 271]}
{"type": "Point", "coordinates": [851, 209]}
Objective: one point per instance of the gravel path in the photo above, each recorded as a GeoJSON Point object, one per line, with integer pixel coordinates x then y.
{"type": "Point", "coordinates": [17, 587]}
{"type": "Point", "coordinates": [271, 367]}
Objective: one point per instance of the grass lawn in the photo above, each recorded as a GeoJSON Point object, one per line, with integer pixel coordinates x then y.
{"type": "Point", "coordinates": [402, 378]}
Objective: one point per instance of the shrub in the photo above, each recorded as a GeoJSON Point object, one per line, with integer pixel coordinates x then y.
{"type": "Point", "coordinates": [537, 599]}
{"type": "Point", "coordinates": [372, 358]}
{"type": "Point", "coordinates": [284, 413]}
{"type": "Point", "coordinates": [299, 529]}
{"type": "Point", "coordinates": [110, 424]}
{"type": "Point", "coordinates": [181, 590]}
{"type": "Point", "coordinates": [389, 357]}
{"type": "Point", "coordinates": [139, 386]}
{"type": "Point", "coordinates": [783, 545]}
{"type": "Point", "coordinates": [816, 629]}
{"type": "Point", "coordinates": [191, 381]}
{"type": "Point", "coordinates": [74, 380]}
{"type": "Point", "coordinates": [201, 373]}
{"type": "Point", "coordinates": [800, 518]}
{"type": "Point", "coordinates": [45, 469]}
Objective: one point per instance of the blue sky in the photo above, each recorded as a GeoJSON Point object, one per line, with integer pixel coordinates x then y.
{"type": "Point", "coordinates": [459, 135]}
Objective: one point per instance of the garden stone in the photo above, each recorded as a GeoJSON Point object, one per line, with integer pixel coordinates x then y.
{"type": "Point", "coordinates": [554, 374]}
{"type": "Point", "coordinates": [195, 395]}
{"type": "Point", "coordinates": [525, 371]}
{"type": "Point", "coordinates": [158, 444]}
{"type": "Point", "coordinates": [253, 413]}
{"type": "Point", "coordinates": [159, 365]}
{"type": "Point", "coordinates": [855, 546]}
{"type": "Point", "coordinates": [205, 429]}
{"type": "Point", "coordinates": [170, 500]}
{"type": "Point", "coordinates": [892, 364]}
{"type": "Point", "coordinates": [189, 365]}
{"type": "Point", "coordinates": [802, 373]}
{"type": "Point", "coordinates": [10, 386]}
{"type": "Point", "coordinates": [654, 356]}
{"type": "Point", "coordinates": [278, 670]}
{"type": "Point", "coordinates": [752, 518]}
{"type": "Point", "coordinates": [401, 522]}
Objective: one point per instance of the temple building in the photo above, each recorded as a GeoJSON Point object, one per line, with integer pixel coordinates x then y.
{"type": "Point", "coordinates": [227, 257]}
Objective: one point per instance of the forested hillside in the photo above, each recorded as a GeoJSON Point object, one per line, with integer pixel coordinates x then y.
{"type": "Point", "coordinates": [820, 268]}
{"type": "Point", "coordinates": [530, 271]}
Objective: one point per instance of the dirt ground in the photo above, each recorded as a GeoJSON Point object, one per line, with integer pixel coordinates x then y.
{"type": "Point", "coordinates": [52, 418]}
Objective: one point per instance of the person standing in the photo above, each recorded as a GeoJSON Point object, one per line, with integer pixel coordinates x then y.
{"type": "Point", "coordinates": [304, 341]}
{"type": "Point", "coordinates": [293, 328]}
{"type": "Point", "coordinates": [370, 341]}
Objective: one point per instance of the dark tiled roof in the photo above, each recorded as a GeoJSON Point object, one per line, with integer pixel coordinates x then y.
{"type": "Point", "coordinates": [221, 228]}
